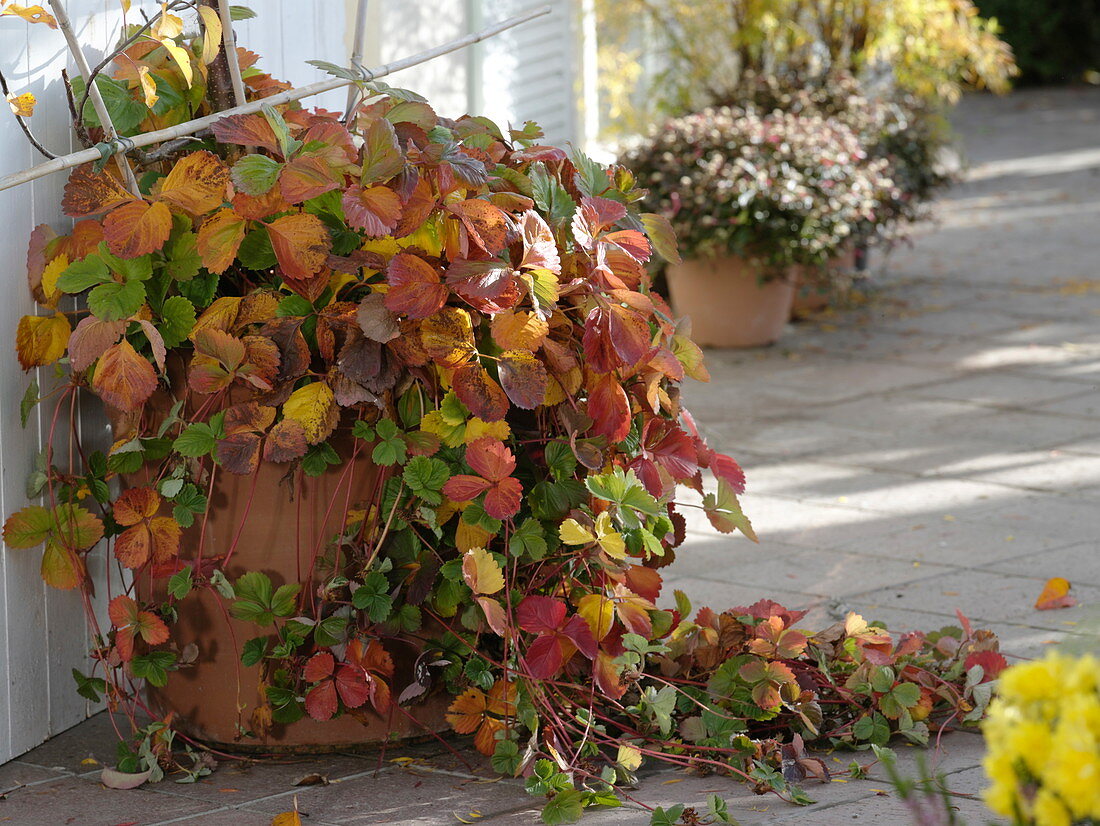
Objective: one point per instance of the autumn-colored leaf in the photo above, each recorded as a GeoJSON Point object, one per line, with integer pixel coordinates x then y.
{"type": "Point", "coordinates": [301, 244]}
{"type": "Point", "coordinates": [615, 337]}
{"type": "Point", "coordinates": [306, 177]}
{"type": "Point", "coordinates": [476, 389]}
{"type": "Point", "coordinates": [123, 378]}
{"type": "Point", "coordinates": [41, 340]}
{"type": "Point", "coordinates": [32, 14]}
{"type": "Point", "coordinates": [196, 183]}
{"type": "Point", "coordinates": [246, 130]}
{"type": "Point", "coordinates": [375, 210]}
{"type": "Point", "coordinates": [375, 320]}
{"type": "Point", "coordinates": [286, 441]}
{"type": "Point", "coordinates": [22, 106]}
{"type": "Point", "coordinates": [1055, 594]}
{"type": "Point", "coordinates": [382, 157]}
{"type": "Point", "coordinates": [485, 224]}
{"type": "Point", "coordinates": [540, 250]}
{"type": "Point", "coordinates": [88, 192]}
{"type": "Point", "coordinates": [131, 623]}
{"type": "Point", "coordinates": [494, 463]}
{"type": "Point", "coordinates": [486, 714]}
{"type": "Point", "coordinates": [609, 408]}
{"type": "Point", "coordinates": [415, 287]}
{"type": "Point", "coordinates": [137, 228]}
{"type": "Point", "coordinates": [448, 336]}
{"type": "Point", "coordinates": [523, 378]}
{"type": "Point", "coordinates": [482, 572]}
{"type": "Point", "coordinates": [314, 407]}
{"type": "Point", "coordinates": [519, 330]}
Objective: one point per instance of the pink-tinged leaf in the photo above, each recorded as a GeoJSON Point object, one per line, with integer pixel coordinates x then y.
{"type": "Point", "coordinates": [490, 286]}
{"type": "Point", "coordinates": [463, 488]}
{"type": "Point", "coordinates": [306, 177]}
{"type": "Point", "coordinates": [608, 675]}
{"type": "Point", "coordinates": [246, 130]}
{"type": "Point", "coordinates": [90, 340]}
{"type": "Point", "coordinates": [540, 250]}
{"type": "Point", "coordinates": [123, 781]}
{"type": "Point", "coordinates": [156, 342]}
{"type": "Point", "coordinates": [415, 287]}
{"type": "Point", "coordinates": [490, 458]}
{"type": "Point", "coordinates": [580, 634]}
{"type": "Point", "coordinates": [375, 210]}
{"type": "Point", "coordinates": [544, 657]}
{"type": "Point", "coordinates": [594, 216]}
{"type": "Point", "coordinates": [523, 378]}
{"type": "Point", "coordinates": [504, 498]}
{"type": "Point", "coordinates": [494, 615]}
{"type": "Point", "coordinates": [124, 379]}
{"type": "Point", "coordinates": [609, 408]}
{"type": "Point", "coordinates": [667, 445]}
{"type": "Point", "coordinates": [377, 322]}
{"type": "Point", "coordinates": [382, 156]}
{"type": "Point", "coordinates": [630, 241]}
{"type": "Point", "coordinates": [1055, 594]}
{"type": "Point", "coordinates": [615, 336]}
{"type": "Point", "coordinates": [321, 701]}
{"type": "Point", "coordinates": [724, 467]}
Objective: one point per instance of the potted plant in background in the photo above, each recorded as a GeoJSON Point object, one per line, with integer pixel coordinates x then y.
{"type": "Point", "coordinates": [751, 196]}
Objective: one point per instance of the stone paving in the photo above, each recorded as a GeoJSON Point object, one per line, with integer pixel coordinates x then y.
{"type": "Point", "coordinates": [937, 448]}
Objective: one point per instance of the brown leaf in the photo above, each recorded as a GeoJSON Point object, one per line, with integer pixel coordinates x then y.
{"type": "Point", "coordinates": [90, 340]}
{"type": "Point", "coordinates": [91, 193]}
{"type": "Point", "coordinates": [523, 377]}
{"type": "Point", "coordinates": [285, 442]}
{"type": "Point", "coordinates": [377, 322]}
{"type": "Point", "coordinates": [123, 378]}
{"type": "Point", "coordinates": [476, 389]}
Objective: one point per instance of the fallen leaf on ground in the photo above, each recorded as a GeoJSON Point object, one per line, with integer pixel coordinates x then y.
{"type": "Point", "coordinates": [1055, 594]}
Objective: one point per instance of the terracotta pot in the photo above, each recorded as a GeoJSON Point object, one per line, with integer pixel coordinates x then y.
{"type": "Point", "coordinates": [727, 302]}
{"type": "Point", "coordinates": [276, 534]}
{"type": "Point", "coordinates": [812, 290]}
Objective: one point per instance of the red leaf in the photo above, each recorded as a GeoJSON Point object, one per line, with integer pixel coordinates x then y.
{"type": "Point", "coordinates": [992, 663]}
{"type": "Point", "coordinates": [504, 499]}
{"type": "Point", "coordinates": [485, 224]}
{"type": "Point", "coordinates": [723, 467]}
{"type": "Point", "coordinates": [539, 614]}
{"type": "Point", "coordinates": [544, 657]}
{"type": "Point", "coordinates": [319, 667]}
{"type": "Point", "coordinates": [321, 701]}
{"type": "Point", "coordinates": [375, 210]}
{"type": "Point", "coordinates": [593, 217]}
{"type": "Point", "coordinates": [90, 340]}
{"type": "Point", "coordinates": [463, 488]}
{"type": "Point", "coordinates": [415, 287]}
{"type": "Point", "coordinates": [580, 633]}
{"type": "Point", "coordinates": [632, 242]}
{"type": "Point", "coordinates": [477, 390]}
{"type": "Point", "coordinates": [352, 685]}
{"type": "Point", "coordinates": [490, 458]}
{"type": "Point", "coordinates": [609, 408]}
{"type": "Point", "coordinates": [306, 177]}
{"type": "Point", "coordinates": [489, 286]}
{"type": "Point", "coordinates": [643, 581]}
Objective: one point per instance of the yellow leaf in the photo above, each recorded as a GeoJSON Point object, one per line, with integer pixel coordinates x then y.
{"type": "Point", "coordinates": [599, 612]}
{"type": "Point", "coordinates": [629, 757]}
{"type": "Point", "coordinates": [211, 35]}
{"type": "Point", "coordinates": [22, 105]}
{"type": "Point", "coordinates": [610, 539]}
{"type": "Point", "coordinates": [312, 407]}
{"type": "Point", "coordinates": [482, 572]}
{"type": "Point", "coordinates": [148, 86]}
{"type": "Point", "coordinates": [573, 532]}
{"type": "Point", "coordinates": [125, 5]}
{"type": "Point", "coordinates": [477, 428]}
{"type": "Point", "coordinates": [182, 58]}
{"type": "Point", "coordinates": [287, 819]}
{"type": "Point", "coordinates": [61, 568]}
{"type": "Point", "coordinates": [436, 422]}
{"type": "Point", "coordinates": [41, 340]}
{"type": "Point", "coordinates": [32, 14]}
{"type": "Point", "coordinates": [169, 25]}
{"type": "Point", "coordinates": [468, 537]}
{"type": "Point", "coordinates": [50, 275]}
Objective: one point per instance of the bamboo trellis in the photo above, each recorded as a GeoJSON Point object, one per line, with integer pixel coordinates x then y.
{"type": "Point", "coordinates": [119, 146]}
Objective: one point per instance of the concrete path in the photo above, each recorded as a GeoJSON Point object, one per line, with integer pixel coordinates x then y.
{"type": "Point", "coordinates": [936, 449]}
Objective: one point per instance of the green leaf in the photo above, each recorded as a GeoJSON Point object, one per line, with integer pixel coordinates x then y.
{"type": "Point", "coordinates": [561, 460]}
{"type": "Point", "coordinates": [200, 289]}
{"type": "Point", "coordinates": [506, 758]}
{"type": "Point", "coordinates": [82, 275]}
{"type": "Point", "coordinates": [253, 651]}
{"type": "Point", "coordinates": [182, 259]}
{"type": "Point", "coordinates": [480, 673]}
{"type": "Point", "coordinates": [330, 631]}
{"type": "Point", "coordinates": [906, 694]}
{"type": "Point", "coordinates": [114, 301]}
{"type": "Point", "coordinates": [474, 514]}
{"type": "Point", "coordinates": [126, 112]}
{"type": "Point", "coordinates": [724, 511]}
{"type": "Point", "coordinates": [287, 145]}
{"type": "Point", "coordinates": [591, 178]}
{"type": "Point", "coordinates": [552, 501]}
{"type": "Point", "coordinates": [256, 252]}
{"type": "Point", "coordinates": [318, 459]}
{"type": "Point", "coordinates": [256, 174]}
{"type": "Point", "coordinates": [336, 71]}
{"type": "Point", "coordinates": [153, 667]}
{"type": "Point", "coordinates": [258, 602]}
{"type": "Point", "coordinates": [90, 688]}
{"type": "Point", "coordinates": [391, 448]}
{"type": "Point", "coordinates": [180, 583]}
{"type": "Point", "coordinates": [407, 618]}
{"type": "Point", "coordinates": [528, 539]}
{"type": "Point", "coordinates": [177, 319]}
{"type": "Point", "coordinates": [373, 597]}
{"type": "Point", "coordinates": [425, 477]}
{"type": "Point", "coordinates": [28, 527]}
{"type": "Point", "coordinates": [293, 305]}
{"type": "Point", "coordinates": [28, 402]}
{"type": "Point", "coordinates": [550, 196]}
{"type": "Point", "coordinates": [564, 807]}
{"type": "Point", "coordinates": [196, 440]}
{"type": "Point", "coordinates": [667, 817]}
{"type": "Point", "coordinates": [284, 602]}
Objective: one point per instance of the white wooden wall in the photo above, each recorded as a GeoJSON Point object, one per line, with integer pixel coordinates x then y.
{"type": "Point", "coordinates": [525, 74]}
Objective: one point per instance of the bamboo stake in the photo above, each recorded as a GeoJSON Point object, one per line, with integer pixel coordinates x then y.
{"type": "Point", "coordinates": [229, 43]}
{"type": "Point", "coordinates": [197, 125]}
{"type": "Point", "coordinates": [357, 53]}
{"type": "Point", "coordinates": [100, 107]}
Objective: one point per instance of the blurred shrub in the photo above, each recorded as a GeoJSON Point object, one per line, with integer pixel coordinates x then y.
{"type": "Point", "coordinates": [1055, 41]}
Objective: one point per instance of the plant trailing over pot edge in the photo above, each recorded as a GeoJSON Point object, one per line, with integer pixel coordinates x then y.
{"type": "Point", "coordinates": [471, 309]}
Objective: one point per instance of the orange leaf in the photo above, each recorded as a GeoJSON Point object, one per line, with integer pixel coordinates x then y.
{"type": "Point", "coordinates": [32, 14]}
{"type": "Point", "coordinates": [485, 223]}
{"type": "Point", "coordinates": [519, 330]}
{"type": "Point", "coordinates": [41, 340]}
{"type": "Point", "coordinates": [306, 177]}
{"type": "Point", "coordinates": [124, 379]}
{"type": "Point", "coordinates": [301, 244]}
{"type": "Point", "coordinates": [218, 239]}
{"type": "Point", "coordinates": [134, 546]}
{"type": "Point", "coordinates": [467, 710]}
{"type": "Point", "coordinates": [91, 193]}
{"type": "Point", "coordinates": [448, 336]}
{"type": "Point", "coordinates": [483, 396]}
{"type": "Point", "coordinates": [246, 130]}
{"type": "Point", "coordinates": [137, 228]}
{"type": "Point", "coordinates": [136, 504]}
{"type": "Point", "coordinates": [1055, 594]}
{"type": "Point", "coordinates": [197, 183]}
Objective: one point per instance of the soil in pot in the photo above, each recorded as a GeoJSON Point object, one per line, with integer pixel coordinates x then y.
{"type": "Point", "coordinates": [728, 302]}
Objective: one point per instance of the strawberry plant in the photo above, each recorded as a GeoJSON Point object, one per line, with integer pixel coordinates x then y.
{"type": "Point", "coordinates": [469, 312]}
